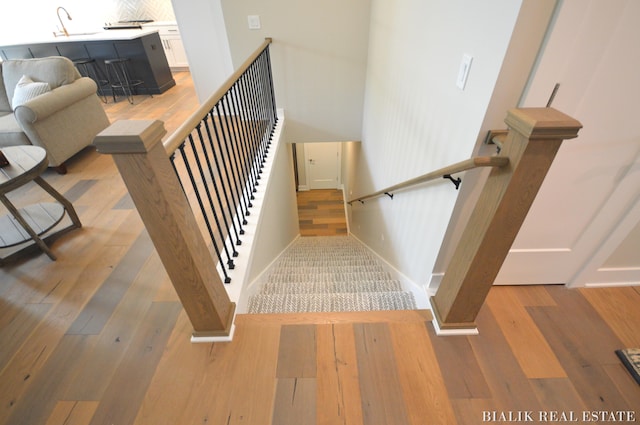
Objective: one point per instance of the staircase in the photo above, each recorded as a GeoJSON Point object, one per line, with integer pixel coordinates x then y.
{"type": "Point", "coordinates": [329, 274]}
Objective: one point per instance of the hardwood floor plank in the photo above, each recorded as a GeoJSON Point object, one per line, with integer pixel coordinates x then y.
{"type": "Point", "coordinates": [624, 382]}
{"type": "Point", "coordinates": [16, 324]}
{"type": "Point", "coordinates": [121, 400]}
{"type": "Point", "coordinates": [346, 317]}
{"type": "Point", "coordinates": [34, 354]}
{"type": "Point", "coordinates": [558, 394]}
{"type": "Point", "coordinates": [582, 321]}
{"type": "Point", "coordinates": [620, 308]}
{"type": "Point", "coordinates": [422, 383]}
{"type": "Point", "coordinates": [41, 280]}
{"type": "Point", "coordinates": [72, 413]}
{"type": "Point", "coordinates": [295, 402]}
{"type": "Point", "coordinates": [321, 212]}
{"type": "Point", "coordinates": [473, 411]}
{"type": "Point", "coordinates": [453, 352]}
{"type": "Point", "coordinates": [297, 354]}
{"type": "Point", "coordinates": [194, 380]}
{"type": "Point", "coordinates": [534, 355]}
{"type": "Point", "coordinates": [380, 387]}
{"type": "Point", "coordinates": [534, 295]}
{"type": "Point", "coordinates": [338, 391]}
{"type": "Point", "coordinates": [100, 308]}
{"type": "Point", "coordinates": [79, 189]}
{"type": "Point", "coordinates": [125, 203]}
{"type": "Point", "coordinates": [33, 401]}
{"type": "Point", "coordinates": [580, 358]}
{"type": "Point", "coordinates": [507, 382]}
{"type": "Point", "coordinates": [95, 369]}
{"type": "Point", "coordinates": [250, 381]}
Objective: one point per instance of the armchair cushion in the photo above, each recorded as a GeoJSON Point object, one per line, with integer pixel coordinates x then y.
{"type": "Point", "coordinates": [5, 105]}
{"type": "Point", "coordinates": [63, 121]}
{"type": "Point", "coordinates": [55, 70]}
{"type": "Point", "coordinates": [55, 100]}
{"type": "Point", "coordinates": [27, 89]}
{"type": "Point", "coordinates": [11, 133]}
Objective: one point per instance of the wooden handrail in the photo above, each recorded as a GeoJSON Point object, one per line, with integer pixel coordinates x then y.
{"type": "Point", "coordinates": [471, 163]}
{"type": "Point", "coordinates": [174, 141]}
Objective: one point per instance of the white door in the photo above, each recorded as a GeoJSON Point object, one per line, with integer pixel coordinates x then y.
{"type": "Point", "coordinates": [589, 201]}
{"type": "Point", "coordinates": [322, 165]}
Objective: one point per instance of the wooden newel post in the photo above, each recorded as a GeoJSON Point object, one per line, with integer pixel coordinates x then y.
{"type": "Point", "coordinates": [535, 135]}
{"type": "Point", "coordinates": [155, 189]}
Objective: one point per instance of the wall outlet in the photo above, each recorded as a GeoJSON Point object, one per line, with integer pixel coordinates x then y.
{"type": "Point", "coordinates": [254, 22]}
{"type": "Point", "coordinates": [463, 72]}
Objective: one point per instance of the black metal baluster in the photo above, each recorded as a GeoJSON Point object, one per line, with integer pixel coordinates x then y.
{"type": "Point", "coordinates": [255, 93]}
{"type": "Point", "coordinates": [242, 141]}
{"type": "Point", "coordinates": [221, 145]}
{"type": "Point", "coordinates": [210, 199]}
{"type": "Point", "coordinates": [217, 191]}
{"type": "Point", "coordinates": [227, 279]}
{"type": "Point", "coordinates": [272, 94]}
{"type": "Point", "coordinates": [230, 206]}
{"type": "Point", "coordinates": [234, 138]}
{"type": "Point", "coordinates": [265, 114]}
{"type": "Point", "coordinates": [250, 119]}
{"type": "Point", "coordinates": [230, 164]}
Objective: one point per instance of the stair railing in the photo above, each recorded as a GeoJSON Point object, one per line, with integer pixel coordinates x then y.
{"type": "Point", "coordinates": [526, 154]}
{"type": "Point", "coordinates": [445, 172]}
{"type": "Point", "coordinates": [218, 154]}
{"type": "Point", "coordinates": [201, 181]}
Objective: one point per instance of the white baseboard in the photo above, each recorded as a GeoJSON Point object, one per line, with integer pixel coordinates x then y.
{"type": "Point", "coordinates": [450, 332]}
{"type": "Point", "coordinates": [303, 188]}
{"type": "Point", "coordinates": [610, 284]}
{"type": "Point", "coordinates": [209, 339]}
{"type": "Point", "coordinates": [253, 287]}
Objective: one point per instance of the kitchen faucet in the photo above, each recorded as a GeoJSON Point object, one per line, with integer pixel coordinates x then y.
{"type": "Point", "coordinates": [64, 29]}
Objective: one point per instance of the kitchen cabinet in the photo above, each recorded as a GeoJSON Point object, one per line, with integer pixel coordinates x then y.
{"type": "Point", "coordinates": [171, 43]}
{"type": "Point", "coordinates": [143, 47]}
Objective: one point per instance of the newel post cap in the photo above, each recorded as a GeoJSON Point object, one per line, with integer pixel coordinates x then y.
{"type": "Point", "coordinates": [542, 123]}
{"type": "Point", "coordinates": [129, 136]}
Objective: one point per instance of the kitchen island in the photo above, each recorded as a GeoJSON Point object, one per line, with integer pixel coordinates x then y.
{"type": "Point", "coordinates": [142, 47]}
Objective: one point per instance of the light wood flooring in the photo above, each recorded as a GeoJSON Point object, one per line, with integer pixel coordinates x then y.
{"type": "Point", "coordinates": [321, 212]}
{"type": "Point", "coordinates": [99, 337]}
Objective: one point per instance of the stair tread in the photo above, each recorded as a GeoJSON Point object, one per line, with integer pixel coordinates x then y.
{"type": "Point", "coordinates": [328, 277]}
{"type": "Point", "coordinates": [329, 287]}
{"type": "Point", "coordinates": [293, 303]}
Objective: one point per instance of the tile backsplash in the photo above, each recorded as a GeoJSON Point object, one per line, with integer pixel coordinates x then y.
{"type": "Point", "coordinates": [158, 10]}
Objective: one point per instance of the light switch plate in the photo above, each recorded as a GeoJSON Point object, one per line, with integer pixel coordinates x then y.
{"type": "Point", "coordinates": [463, 72]}
{"type": "Point", "coordinates": [254, 22]}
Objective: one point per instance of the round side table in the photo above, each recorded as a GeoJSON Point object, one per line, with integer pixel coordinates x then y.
{"type": "Point", "coordinates": [26, 164]}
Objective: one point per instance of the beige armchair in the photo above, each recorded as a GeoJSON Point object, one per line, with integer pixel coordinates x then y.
{"type": "Point", "coordinates": [63, 120]}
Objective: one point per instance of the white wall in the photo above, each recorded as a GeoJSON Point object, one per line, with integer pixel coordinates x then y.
{"type": "Point", "coordinates": [526, 41]}
{"type": "Point", "coordinates": [417, 120]}
{"type": "Point", "coordinates": [204, 37]}
{"type": "Point", "coordinates": [318, 56]}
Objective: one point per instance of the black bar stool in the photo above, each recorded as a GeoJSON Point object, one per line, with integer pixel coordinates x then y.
{"type": "Point", "coordinates": [89, 68]}
{"type": "Point", "coordinates": [120, 78]}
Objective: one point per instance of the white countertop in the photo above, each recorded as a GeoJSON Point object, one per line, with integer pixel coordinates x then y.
{"type": "Point", "coordinates": [102, 35]}
{"type": "Point", "coordinates": [160, 24]}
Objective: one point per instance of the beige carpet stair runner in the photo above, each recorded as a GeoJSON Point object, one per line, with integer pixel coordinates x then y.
{"type": "Point", "coordinates": [329, 274]}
